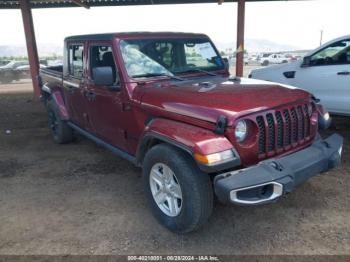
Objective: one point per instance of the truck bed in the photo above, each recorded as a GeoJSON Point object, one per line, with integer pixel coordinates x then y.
{"type": "Point", "coordinates": [50, 77]}
{"type": "Point", "coordinates": [56, 71]}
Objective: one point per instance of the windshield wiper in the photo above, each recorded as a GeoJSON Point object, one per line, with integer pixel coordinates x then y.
{"type": "Point", "coordinates": [198, 70]}
{"type": "Point", "coordinates": [156, 74]}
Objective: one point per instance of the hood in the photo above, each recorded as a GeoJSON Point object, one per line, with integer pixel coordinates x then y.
{"type": "Point", "coordinates": [209, 100]}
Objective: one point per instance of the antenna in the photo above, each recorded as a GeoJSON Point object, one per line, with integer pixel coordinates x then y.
{"type": "Point", "coordinates": [321, 37]}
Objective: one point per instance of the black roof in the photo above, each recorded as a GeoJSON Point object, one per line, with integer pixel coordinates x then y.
{"type": "Point", "coordinates": [110, 36]}
{"type": "Point", "coordinates": [13, 4]}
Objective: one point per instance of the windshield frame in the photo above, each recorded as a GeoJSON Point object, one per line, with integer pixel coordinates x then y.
{"type": "Point", "coordinates": [205, 38]}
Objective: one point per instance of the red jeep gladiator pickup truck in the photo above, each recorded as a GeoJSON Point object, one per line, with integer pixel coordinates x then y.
{"type": "Point", "coordinates": [165, 102]}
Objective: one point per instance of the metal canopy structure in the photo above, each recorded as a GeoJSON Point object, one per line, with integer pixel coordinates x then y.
{"type": "Point", "coordinates": [13, 4]}
{"type": "Point", "coordinates": [26, 7]}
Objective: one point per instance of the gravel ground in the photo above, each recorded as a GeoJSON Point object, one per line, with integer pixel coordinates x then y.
{"type": "Point", "coordinates": [81, 199]}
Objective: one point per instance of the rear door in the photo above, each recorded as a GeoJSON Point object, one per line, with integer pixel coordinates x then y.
{"type": "Point", "coordinates": [105, 103]}
{"type": "Point", "coordinates": [73, 84]}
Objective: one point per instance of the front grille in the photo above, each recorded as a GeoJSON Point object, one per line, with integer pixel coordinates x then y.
{"type": "Point", "coordinates": [283, 128]}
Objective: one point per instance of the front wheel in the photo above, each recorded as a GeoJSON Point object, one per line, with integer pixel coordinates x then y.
{"type": "Point", "coordinates": [179, 194]}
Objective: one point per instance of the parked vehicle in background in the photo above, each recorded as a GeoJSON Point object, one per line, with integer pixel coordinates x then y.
{"type": "Point", "coordinates": [55, 63]}
{"type": "Point", "coordinates": [268, 59]}
{"type": "Point", "coordinates": [253, 59]}
{"type": "Point", "coordinates": [4, 62]}
{"type": "Point", "coordinates": [165, 102]}
{"type": "Point", "coordinates": [8, 72]}
{"type": "Point", "coordinates": [232, 60]}
{"type": "Point", "coordinates": [325, 72]}
{"type": "Point", "coordinates": [23, 72]}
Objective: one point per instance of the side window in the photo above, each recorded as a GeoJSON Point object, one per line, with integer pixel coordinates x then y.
{"type": "Point", "coordinates": [76, 56]}
{"type": "Point", "coordinates": [335, 54]}
{"type": "Point", "coordinates": [101, 56]}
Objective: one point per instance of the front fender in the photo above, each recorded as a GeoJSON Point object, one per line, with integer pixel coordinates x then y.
{"type": "Point", "coordinates": [59, 101]}
{"type": "Point", "coordinates": [191, 139]}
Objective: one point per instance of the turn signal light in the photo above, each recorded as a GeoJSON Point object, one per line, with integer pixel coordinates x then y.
{"type": "Point", "coordinates": [214, 158]}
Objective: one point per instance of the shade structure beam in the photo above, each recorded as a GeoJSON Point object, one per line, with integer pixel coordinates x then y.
{"type": "Point", "coordinates": [240, 38]}
{"type": "Point", "coordinates": [32, 50]}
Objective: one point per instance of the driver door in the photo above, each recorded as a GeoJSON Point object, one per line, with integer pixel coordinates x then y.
{"type": "Point", "coordinates": [328, 77]}
{"type": "Point", "coordinates": [105, 103]}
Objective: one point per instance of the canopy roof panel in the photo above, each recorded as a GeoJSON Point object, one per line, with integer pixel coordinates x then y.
{"type": "Point", "coordinates": [13, 4]}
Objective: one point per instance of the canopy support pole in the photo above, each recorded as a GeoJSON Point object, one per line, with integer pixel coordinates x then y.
{"type": "Point", "coordinates": [240, 38]}
{"type": "Point", "coordinates": [31, 44]}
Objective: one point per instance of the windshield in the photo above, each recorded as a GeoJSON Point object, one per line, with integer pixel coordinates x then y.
{"type": "Point", "coordinates": [158, 57]}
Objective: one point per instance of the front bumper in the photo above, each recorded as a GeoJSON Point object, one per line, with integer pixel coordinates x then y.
{"type": "Point", "coordinates": [272, 178]}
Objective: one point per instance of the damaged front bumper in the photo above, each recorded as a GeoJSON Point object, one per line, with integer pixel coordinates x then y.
{"type": "Point", "coordinates": [272, 178]}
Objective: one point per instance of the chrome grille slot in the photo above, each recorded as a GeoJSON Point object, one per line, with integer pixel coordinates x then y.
{"type": "Point", "coordinates": [262, 133]}
{"type": "Point", "coordinates": [301, 123]}
{"type": "Point", "coordinates": [279, 130]}
{"type": "Point", "coordinates": [288, 129]}
{"type": "Point", "coordinates": [294, 126]}
{"type": "Point", "coordinates": [271, 131]}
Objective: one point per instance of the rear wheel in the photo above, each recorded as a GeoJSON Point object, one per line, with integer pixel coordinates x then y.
{"type": "Point", "coordinates": [180, 195]}
{"type": "Point", "coordinates": [61, 132]}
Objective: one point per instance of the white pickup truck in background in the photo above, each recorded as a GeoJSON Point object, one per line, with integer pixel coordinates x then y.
{"type": "Point", "coordinates": [325, 72]}
{"type": "Point", "coordinates": [268, 59]}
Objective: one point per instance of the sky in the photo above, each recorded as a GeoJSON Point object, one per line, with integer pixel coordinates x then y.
{"type": "Point", "coordinates": [295, 23]}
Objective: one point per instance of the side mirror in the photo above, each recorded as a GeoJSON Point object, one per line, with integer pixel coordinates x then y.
{"type": "Point", "coordinates": [306, 61]}
{"type": "Point", "coordinates": [103, 76]}
{"type": "Point", "coordinates": [226, 63]}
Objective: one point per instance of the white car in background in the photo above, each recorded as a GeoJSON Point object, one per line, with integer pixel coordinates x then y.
{"type": "Point", "coordinates": [268, 59]}
{"type": "Point", "coordinates": [325, 72]}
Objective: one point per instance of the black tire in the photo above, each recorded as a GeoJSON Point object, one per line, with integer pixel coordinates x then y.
{"type": "Point", "coordinates": [265, 63]}
{"type": "Point", "coordinates": [196, 187]}
{"type": "Point", "coordinates": [61, 132]}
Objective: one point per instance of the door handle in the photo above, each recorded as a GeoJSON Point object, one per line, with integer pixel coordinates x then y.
{"type": "Point", "coordinates": [344, 73]}
{"type": "Point", "coordinates": [91, 96]}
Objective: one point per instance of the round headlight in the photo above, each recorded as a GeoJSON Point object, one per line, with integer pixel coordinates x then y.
{"type": "Point", "coordinates": [241, 131]}
{"type": "Point", "coordinates": [326, 116]}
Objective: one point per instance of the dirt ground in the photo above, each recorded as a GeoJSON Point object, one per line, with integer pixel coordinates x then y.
{"type": "Point", "coordinates": [81, 199]}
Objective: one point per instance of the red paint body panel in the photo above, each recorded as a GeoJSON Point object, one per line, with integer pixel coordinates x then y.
{"type": "Point", "coordinates": [183, 111]}
{"type": "Point", "coordinates": [197, 139]}
{"type": "Point", "coordinates": [227, 98]}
